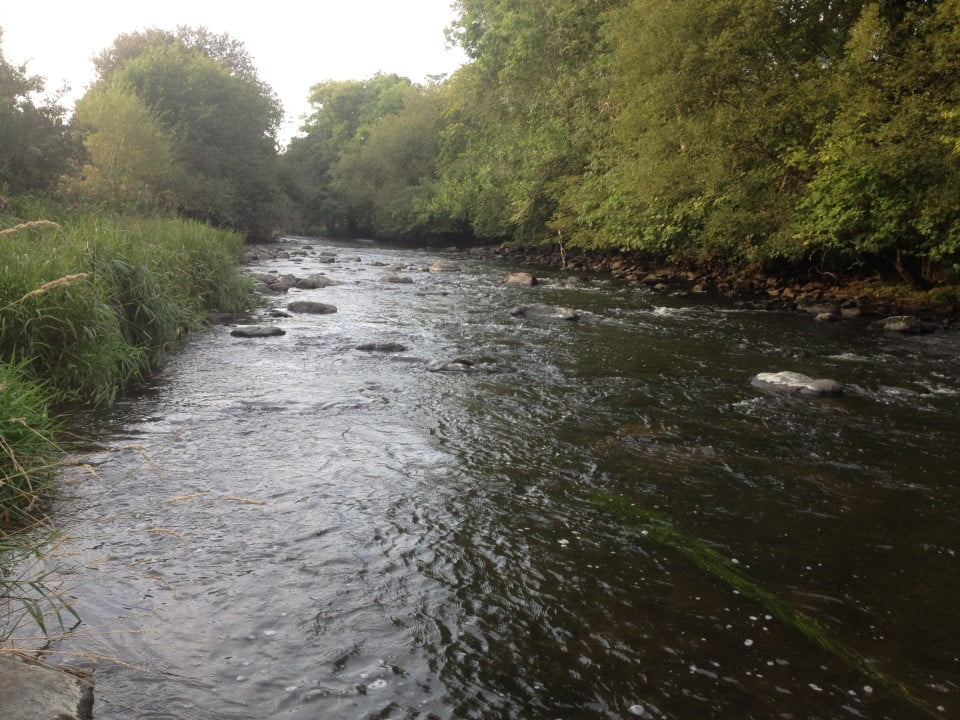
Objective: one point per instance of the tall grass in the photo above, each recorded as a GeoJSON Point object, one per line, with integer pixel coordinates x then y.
{"type": "Point", "coordinates": [139, 285]}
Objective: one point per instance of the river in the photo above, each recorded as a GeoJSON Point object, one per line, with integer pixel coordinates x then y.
{"type": "Point", "coordinates": [618, 526]}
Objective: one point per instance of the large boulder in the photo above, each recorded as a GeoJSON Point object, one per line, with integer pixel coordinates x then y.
{"type": "Point", "coordinates": [538, 310]}
{"type": "Point", "coordinates": [521, 279]}
{"type": "Point", "coordinates": [257, 331]}
{"type": "Point", "coordinates": [797, 383]}
{"type": "Point", "coordinates": [308, 306]}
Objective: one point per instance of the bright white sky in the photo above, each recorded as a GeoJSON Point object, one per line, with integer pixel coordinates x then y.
{"type": "Point", "coordinates": [294, 43]}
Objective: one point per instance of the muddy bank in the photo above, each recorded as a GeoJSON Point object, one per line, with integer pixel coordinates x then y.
{"type": "Point", "coordinates": [802, 290]}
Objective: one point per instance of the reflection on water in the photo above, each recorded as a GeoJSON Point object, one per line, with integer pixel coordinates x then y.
{"type": "Point", "coordinates": [291, 527]}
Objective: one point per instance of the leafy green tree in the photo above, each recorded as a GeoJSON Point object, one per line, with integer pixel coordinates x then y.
{"type": "Point", "coordinates": [36, 145]}
{"type": "Point", "coordinates": [526, 114]}
{"type": "Point", "coordinates": [221, 120]}
{"type": "Point", "coordinates": [887, 169]}
{"type": "Point", "coordinates": [130, 157]}
{"type": "Point", "coordinates": [387, 177]}
{"type": "Point", "coordinates": [343, 115]}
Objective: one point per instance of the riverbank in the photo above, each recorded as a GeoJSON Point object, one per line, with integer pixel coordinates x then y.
{"type": "Point", "coordinates": [797, 290]}
{"type": "Point", "coordinates": [89, 304]}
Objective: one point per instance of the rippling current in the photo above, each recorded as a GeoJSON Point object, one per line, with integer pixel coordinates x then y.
{"type": "Point", "coordinates": [290, 527]}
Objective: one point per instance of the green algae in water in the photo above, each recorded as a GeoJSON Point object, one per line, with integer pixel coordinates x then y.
{"type": "Point", "coordinates": [658, 528]}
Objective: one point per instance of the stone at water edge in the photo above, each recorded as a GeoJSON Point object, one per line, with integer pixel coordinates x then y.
{"type": "Point", "coordinates": [538, 310]}
{"type": "Point", "coordinates": [31, 691]}
{"type": "Point", "coordinates": [308, 306]}
{"type": "Point", "coordinates": [521, 279]}
{"type": "Point", "coordinates": [794, 382]}
{"type": "Point", "coordinates": [257, 331]}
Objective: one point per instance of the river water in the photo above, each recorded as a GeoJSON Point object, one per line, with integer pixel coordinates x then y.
{"type": "Point", "coordinates": [290, 527]}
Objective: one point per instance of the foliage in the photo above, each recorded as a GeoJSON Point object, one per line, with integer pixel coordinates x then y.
{"type": "Point", "coordinates": [321, 168]}
{"type": "Point", "coordinates": [36, 144]}
{"type": "Point", "coordinates": [137, 285]}
{"type": "Point", "coordinates": [886, 174]}
{"type": "Point", "coordinates": [195, 125]}
{"type": "Point", "coordinates": [130, 158]}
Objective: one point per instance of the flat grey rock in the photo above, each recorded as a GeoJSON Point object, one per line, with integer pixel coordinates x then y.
{"type": "Point", "coordinates": [308, 306]}
{"type": "Point", "coordinates": [257, 331]}
{"type": "Point", "coordinates": [30, 691]}
{"type": "Point", "coordinates": [538, 310]}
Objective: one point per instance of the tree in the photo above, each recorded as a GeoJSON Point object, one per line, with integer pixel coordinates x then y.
{"type": "Point", "coordinates": [887, 169]}
{"type": "Point", "coordinates": [343, 116]}
{"type": "Point", "coordinates": [36, 145]}
{"type": "Point", "coordinates": [130, 156]}
{"type": "Point", "coordinates": [221, 120]}
{"type": "Point", "coordinates": [526, 114]}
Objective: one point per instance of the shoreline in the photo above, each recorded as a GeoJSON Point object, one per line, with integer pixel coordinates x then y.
{"type": "Point", "coordinates": [816, 294]}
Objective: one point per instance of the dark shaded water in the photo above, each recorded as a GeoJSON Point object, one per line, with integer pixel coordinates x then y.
{"type": "Point", "coordinates": [298, 529]}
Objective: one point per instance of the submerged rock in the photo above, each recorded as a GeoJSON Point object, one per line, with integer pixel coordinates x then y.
{"type": "Point", "coordinates": [394, 278]}
{"type": "Point", "coordinates": [444, 266]}
{"type": "Point", "coordinates": [522, 279]}
{"type": "Point", "coordinates": [538, 310]}
{"type": "Point", "coordinates": [459, 365]}
{"type": "Point", "coordinates": [257, 331]}
{"type": "Point", "coordinates": [794, 382]}
{"type": "Point", "coordinates": [316, 281]}
{"type": "Point", "coordinates": [308, 306]}
{"type": "Point", "coordinates": [382, 347]}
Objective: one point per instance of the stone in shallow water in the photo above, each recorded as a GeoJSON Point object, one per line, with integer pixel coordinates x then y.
{"type": "Point", "coordinates": [308, 306]}
{"type": "Point", "coordinates": [382, 347]}
{"type": "Point", "coordinates": [538, 310]}
{"type": "Point", "coordinates": [900, 323]}
{"type": "Point", "coordinates": [794, 382]}
{"type": "Point", "coordinates": [257, 331]}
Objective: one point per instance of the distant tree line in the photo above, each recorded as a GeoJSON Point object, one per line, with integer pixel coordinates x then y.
{"type": "Point", "coordinates": [821, 132]}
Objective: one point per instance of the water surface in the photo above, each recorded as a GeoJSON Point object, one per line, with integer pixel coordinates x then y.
{"type": "Point", "coordinates": [290, 527]}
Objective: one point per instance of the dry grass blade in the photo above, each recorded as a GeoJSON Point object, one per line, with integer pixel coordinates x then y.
{"type": "Point", "coordinates": [33, 225]}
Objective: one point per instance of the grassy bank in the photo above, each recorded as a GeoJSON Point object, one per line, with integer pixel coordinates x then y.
{"type": "Point", "coordinates": [89, 304]}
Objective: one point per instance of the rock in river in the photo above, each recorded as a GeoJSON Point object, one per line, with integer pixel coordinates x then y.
{"type": "Point", "coordinates": [443, 266]}
{"type": "Point", "coordinates": [308, 306]}
{"type": "Point", "coordinates": [523, 279]}
{"type": "Point", "coordinates": [900, 323]}
{"type": "Point", "coordinates": [794, 382]}
{"type": "Point", "coordinates": [257, 331]}
{"type": "Point", "coordinates": [382, 347]}
{"type": "Point", "coordinates": [544, 311]}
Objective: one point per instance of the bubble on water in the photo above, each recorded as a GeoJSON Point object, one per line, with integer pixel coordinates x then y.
{"type": "Point", "coordinates": [815, 687]}
{"type": "Point", "coordinates": [290, 688]}
{"type": "Point", "coordinates": [867, 689]}
{"type": "Point", "coordinates": [734, 561]}
{"type": "Point", "coordinates": [378, 684]}
{"type": "Point", "coordinates": [269, 633]}
{"type": "Point", "coordinates": [639, 711]}
{"type": "Point", "coordinates": [563, 541]}
{"type": "Point", "coordinates": [748, 642]}
{"type": "Point", "coordinates": [241, 678]}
